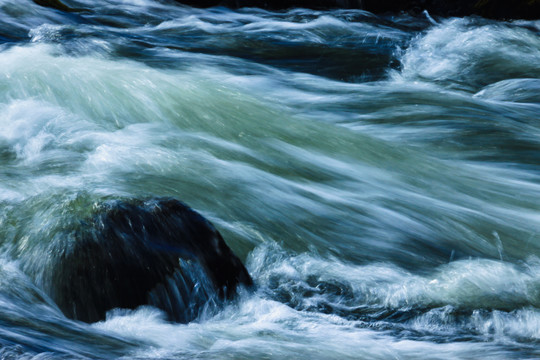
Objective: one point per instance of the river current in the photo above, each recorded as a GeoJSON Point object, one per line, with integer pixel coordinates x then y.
{"type": "Point", "coordinates": [378, 175]}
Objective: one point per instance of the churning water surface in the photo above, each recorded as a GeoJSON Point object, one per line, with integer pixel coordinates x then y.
{"type": "Point", "coordinates": [379, 176]}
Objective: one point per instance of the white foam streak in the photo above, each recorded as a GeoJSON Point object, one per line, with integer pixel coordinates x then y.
{"type": "Point", "coordinates": [467, 284]}
{"type": "Point", "coordinates": [258, 327]}
{"type": "Point", "coordinates": [465, 55]}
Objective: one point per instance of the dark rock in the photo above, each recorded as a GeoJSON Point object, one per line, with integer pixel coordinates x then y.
{"type": "Point", "coordinates": [130, 253]}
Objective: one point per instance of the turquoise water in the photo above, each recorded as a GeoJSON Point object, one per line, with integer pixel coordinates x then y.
{"type": "Point", "coordinates": [379, 176]}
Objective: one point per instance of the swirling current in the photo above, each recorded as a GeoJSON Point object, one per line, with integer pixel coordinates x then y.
{"type": "Point", "coordinates": [378, 175]}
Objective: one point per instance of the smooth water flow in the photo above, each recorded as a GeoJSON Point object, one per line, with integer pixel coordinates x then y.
{"type": "Point", "coordinates": [379, 176]}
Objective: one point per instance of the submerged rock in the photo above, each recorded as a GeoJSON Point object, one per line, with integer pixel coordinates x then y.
{"type": "Point", "coordinates": [131, 253]}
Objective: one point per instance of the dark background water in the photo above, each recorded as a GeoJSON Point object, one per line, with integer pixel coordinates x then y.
{"type": "Point", "coordinates": [378, 174]}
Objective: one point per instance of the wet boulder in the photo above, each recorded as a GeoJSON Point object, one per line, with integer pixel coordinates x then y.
{"type": "Point", "coordinates": [130, 253]}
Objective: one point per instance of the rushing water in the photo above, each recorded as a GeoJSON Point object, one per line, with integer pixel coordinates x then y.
{"type": "Point", "coordinates": [380, 176]}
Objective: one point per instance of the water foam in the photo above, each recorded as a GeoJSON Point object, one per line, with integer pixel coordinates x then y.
{"type": "Point", "coordinates": [469, 54]}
